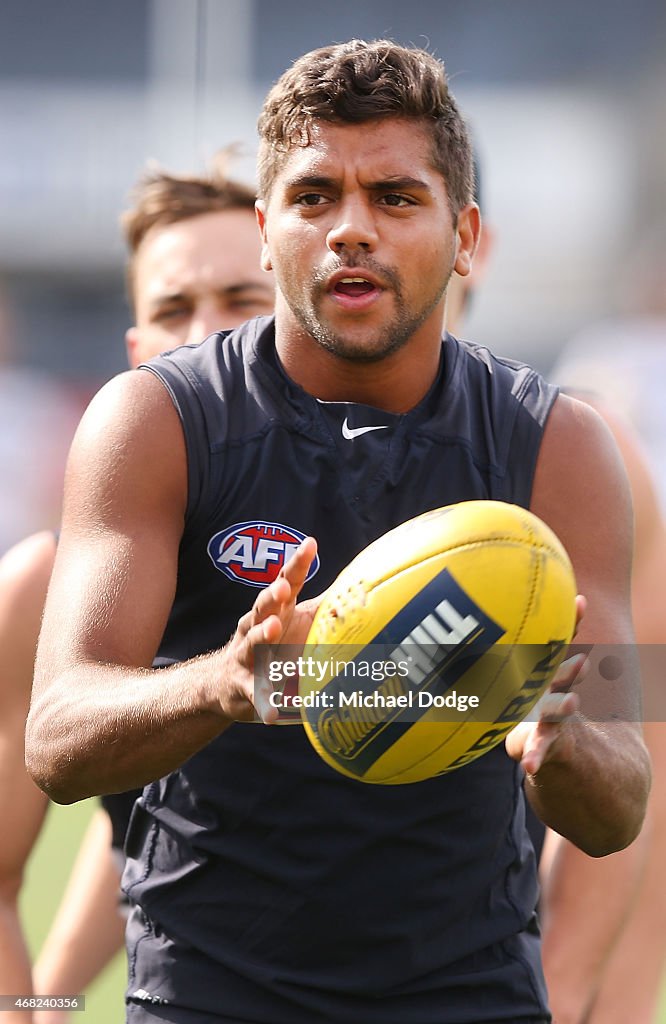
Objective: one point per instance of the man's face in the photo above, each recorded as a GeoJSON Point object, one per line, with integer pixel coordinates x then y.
{"type": "Point", "coordinates": [359, 231]}
{"type": "Point", "coordinates": [194, 277]}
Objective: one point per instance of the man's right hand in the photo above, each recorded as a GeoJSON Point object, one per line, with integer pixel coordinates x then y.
{"type": "Point", "coordinates": [275, 617]}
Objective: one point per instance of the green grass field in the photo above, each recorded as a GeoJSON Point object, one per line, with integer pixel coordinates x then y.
{"type": "Point", "coordinates": [47, 873]}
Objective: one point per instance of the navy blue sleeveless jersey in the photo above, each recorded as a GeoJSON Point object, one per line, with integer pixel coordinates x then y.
{"type": "Point", "coordinates": [119, 806]}
{"type": "Point", "coordinates": [267, 887]}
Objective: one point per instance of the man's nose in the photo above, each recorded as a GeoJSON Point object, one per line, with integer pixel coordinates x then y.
{"type": "Point", "coordinates": [207, 318]}
{"type": "Point", "coordinates": [354, 226]}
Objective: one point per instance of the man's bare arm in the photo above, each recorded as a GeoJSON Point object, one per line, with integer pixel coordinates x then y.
{"type": "Point", "coordinates": [588, 776]}
{"type": "Point", "coordinates": [24, 574]}
{"type": "Point", "coordinates": [88, 929]}
{"type": "Point", "coordinates": [101, 719]}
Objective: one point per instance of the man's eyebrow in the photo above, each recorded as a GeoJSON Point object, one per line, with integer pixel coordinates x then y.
{"type": "Point", "coordinates": [161, 298]}
{"type": "Point", "coordinates": [309, 181]}
{"type": "Point", "coordinates": [398, 181]}
{"type": "Point", "coordinates": [246, 286]}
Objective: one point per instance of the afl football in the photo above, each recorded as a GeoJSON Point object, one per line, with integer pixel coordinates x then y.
{"type": "Point", "coordinates": [435, 641]}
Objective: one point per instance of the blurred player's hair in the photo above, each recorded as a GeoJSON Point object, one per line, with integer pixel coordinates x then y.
{"type": "Point", "coordinates": [359, 81]}
{"type": "Point", "coordinates": [160, 198]}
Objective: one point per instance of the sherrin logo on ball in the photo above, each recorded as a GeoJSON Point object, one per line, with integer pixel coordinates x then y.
{"type": "Point", "coordinates": [254, 552]}
{"type": "Point", "coordinates": [435, 641]}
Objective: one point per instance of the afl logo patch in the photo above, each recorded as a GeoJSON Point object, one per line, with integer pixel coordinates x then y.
{"type": "Point", "coordinates": [254, 552]}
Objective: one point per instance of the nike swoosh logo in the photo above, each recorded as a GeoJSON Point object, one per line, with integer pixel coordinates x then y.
{"type": "Point", "coordinates": [350, 433]}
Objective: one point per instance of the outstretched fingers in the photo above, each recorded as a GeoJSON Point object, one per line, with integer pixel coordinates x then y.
{"type": "Point", "coordinates": [295, 571]}
{"type": "Point", "coordinates": [272, 609]}
{"type": "Point", "coordinates": [532, 742]}
{"type": "Point", "coordinates": [268, 620]}
{"type": "Point", "coordinates": [556, 710]}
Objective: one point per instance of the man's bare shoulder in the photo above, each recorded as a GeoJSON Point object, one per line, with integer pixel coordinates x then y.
{"type": "Point", "coordinates": [648, 517]}
{"type": "Point", "coordinates": [576, 415]}
{"type": "Point", "coordinates": [123, 403]}
{"type": "Point", "coordinates": [129, 446]}
{"type": "Point", "coordinates": [579, 458]}
{"type": "Point", "coordinates": [582, 491]}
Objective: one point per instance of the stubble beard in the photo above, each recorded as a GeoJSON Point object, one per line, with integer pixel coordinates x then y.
{"type": "Point", "coordinates": [392, 337]}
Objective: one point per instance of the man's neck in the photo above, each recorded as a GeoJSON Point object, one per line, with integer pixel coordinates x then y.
{"type": "Point", "coordinates": [395, 383]}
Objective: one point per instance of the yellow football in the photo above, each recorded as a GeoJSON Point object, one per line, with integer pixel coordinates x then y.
{"type": "Point", "coordinates": [435, 641]}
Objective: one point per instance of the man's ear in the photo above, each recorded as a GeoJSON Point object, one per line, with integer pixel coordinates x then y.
{"type": "Point", "coordinates": [260, 210]}
{"type": "Point", "coordinates": [468, 232]}
{"type": "Point", "coordinates": [483, 254]}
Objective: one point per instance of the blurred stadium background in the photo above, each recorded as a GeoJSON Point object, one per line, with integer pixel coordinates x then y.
{"type": "Point", "coordinates": [566, 103]}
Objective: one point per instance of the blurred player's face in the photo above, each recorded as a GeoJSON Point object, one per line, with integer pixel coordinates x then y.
{"type": "Point", "coordinates": [359, 231]}
{"type": "Point", "coordinates": [194, 277]}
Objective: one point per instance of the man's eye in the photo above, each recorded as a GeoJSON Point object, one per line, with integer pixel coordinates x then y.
{"type": "Point", "coordinates": [311, 199]}
{"type": "Point", "coordinates": [393, 199]}
{"type": "Point", "coordinates": [252, 303]}
{"type": "Point", "coordinates": [171, 313]}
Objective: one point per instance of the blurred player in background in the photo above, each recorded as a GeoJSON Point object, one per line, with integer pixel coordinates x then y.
{"type": "Point", "coordinates": [604, 922]}
{"type": "Point", "coordinates": [620, 365]}
{"type": "Point", "coordinates": [193, 268]}
{"type": "Point", "coordinates": [264, 885]}
{"type": "Point", "coordinates": [622, 358]}
{"type": "Point", "coordinates": [38, 417]}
